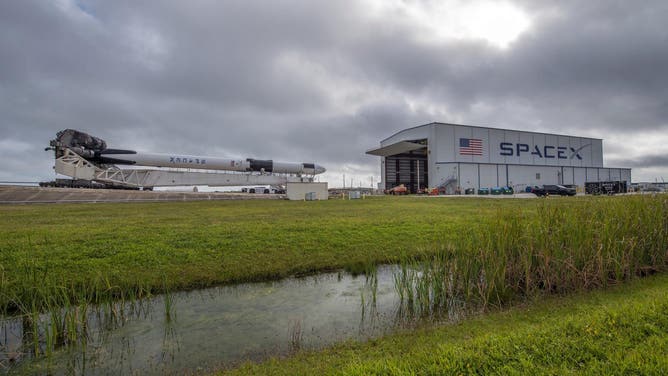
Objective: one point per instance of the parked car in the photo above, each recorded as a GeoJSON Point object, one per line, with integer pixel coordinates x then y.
{"type": "Point", "coordinates": [259, 190]}
{"type": "Point", "coordinates": [549, 189]}
{"type": "Point", "coordinates": [496, 190]}
{"type": "Point", "coordinates": [483, 191]}
{"type": "Point", "coordinates": [469, 191]}
{"type": "Point", "coordinates": [508, 190]}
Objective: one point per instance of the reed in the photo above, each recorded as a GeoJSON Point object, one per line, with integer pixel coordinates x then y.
{"type": "Point", "coordinates": [555, 249]}
{"type": "Point", "coordinates": [520, 251]}
{"type": "Point", "coordinates": [168, 301]}
{"type": "Point", "coordinates": [53, 314]}
{"type": "Point", "coordinates": [295, 334]}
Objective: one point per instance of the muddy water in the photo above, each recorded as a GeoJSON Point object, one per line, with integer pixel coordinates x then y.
{"type": "Point", "coordinates": [218, 327]}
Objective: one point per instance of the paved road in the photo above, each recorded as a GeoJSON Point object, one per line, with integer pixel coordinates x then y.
{"type": "Point", "coordinates": [34, 195]}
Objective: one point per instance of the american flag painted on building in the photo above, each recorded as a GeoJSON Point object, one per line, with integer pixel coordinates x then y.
{"type": "Point", "coordinates": [470, 146]}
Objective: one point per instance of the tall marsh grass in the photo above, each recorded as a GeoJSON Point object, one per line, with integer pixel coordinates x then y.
{"type": "Point", "coordinates": [555, 246]}
{"type": "Point", "coordinates": [53, 313]}
{"type": "Point", "coordinates": [560, 247]}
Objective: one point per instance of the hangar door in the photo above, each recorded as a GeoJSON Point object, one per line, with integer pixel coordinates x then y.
{"type": "Point", "coordinates": [409, 169]}
{"type": "Point", "coordinates": [407, 165]}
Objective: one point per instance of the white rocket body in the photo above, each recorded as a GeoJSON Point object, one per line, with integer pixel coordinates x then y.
{"type": "Point", "coordinates": [95, 150]}
{"type": "Point", "coordinates": [208, 163]}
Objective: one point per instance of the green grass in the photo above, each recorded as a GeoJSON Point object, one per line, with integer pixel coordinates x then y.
{"type": "Point", "coordinates": [556, 249]}
{"type": "Point", "coordinates": [196, 244]}
{"type": "Point", "coordinates": [618, 331]}
{"type": "Point", "coordinates": [479, 252]}
{"type": "Point", "coordinates": [92, 251]}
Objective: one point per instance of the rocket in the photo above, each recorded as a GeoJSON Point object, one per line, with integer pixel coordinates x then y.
{"type": "Point", "coordinates": [129, 157]}
{"type": "Point", "coordinates": [94, 150]}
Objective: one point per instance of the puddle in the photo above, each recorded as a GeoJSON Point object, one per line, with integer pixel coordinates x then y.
{"type": "Point", "coordinates": [212, 328]}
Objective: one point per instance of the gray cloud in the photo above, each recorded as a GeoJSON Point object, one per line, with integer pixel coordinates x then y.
{"type": "Point", "coordinates": [647, 161]}
{"type": "Point", "coordinates": [320, 81]}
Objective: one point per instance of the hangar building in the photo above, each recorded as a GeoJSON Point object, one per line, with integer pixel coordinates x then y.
{"type": "Point", "coordinates": [457, 157]}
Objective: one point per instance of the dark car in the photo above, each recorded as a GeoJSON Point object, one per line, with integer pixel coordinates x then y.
{"type": "Point", "coordinates": [483, 191]}
{"type": "Point", "coordinates": [469, 191]}
{"type": "Point", "coordinates": [559, 190]}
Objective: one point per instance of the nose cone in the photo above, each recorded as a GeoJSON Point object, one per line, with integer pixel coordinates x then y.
{"type": "Point", "coordinates": [319, 169]}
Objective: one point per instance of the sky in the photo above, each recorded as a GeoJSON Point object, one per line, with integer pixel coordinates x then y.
{"type": "Point", "coordinates": [324, 81]}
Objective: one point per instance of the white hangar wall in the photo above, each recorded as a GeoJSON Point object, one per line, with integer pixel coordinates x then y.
{"type": "Point", "coordinates": [482, 175]}
{"type": "Point", "coordinates": [515, 147]}
{"type": "Point", "coordinates": [506, 157]}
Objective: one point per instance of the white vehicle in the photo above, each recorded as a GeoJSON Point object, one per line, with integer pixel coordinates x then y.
{"type": "Point", "coordinates": [259, 190]}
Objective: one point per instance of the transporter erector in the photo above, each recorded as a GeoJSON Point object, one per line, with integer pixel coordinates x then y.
{"type": "Point", "coordinates": [82, 156]}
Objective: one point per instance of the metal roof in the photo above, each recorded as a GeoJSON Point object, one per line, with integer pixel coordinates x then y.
{"type": "Point", "coordinates": [479, 127]}
{"type": "Point", "coordinates": [397, 148]}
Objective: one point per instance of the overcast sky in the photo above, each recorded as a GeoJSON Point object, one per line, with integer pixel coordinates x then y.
{"type": "Point", "coordinates": [324, 81]}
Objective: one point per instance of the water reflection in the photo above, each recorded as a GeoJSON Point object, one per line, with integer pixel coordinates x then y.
{"type": "Point", "coordinates": [212, 328]}
{"type": "Point", "coordinates": [207, 328]}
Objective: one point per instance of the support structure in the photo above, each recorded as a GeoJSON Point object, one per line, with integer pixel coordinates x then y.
{"type": "Point", "coordinates": [73, 165]}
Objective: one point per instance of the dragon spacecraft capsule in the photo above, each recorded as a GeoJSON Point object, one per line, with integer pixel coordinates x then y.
{"type": "Point", "coordinates": [94, 150]}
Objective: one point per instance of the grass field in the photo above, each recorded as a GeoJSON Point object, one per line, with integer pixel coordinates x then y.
{"type": "Point", "coordinates": [195, 244]}
{"type": "Point", "coordinates": [619, 331]}
{"type": "Point", "coordinates": [483, 252]}
{"type": "Point", "coordinates": [95, 250]}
